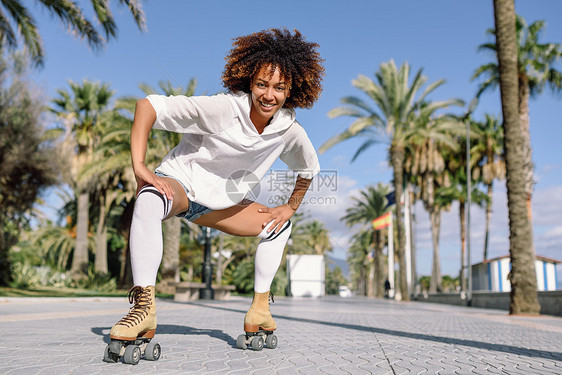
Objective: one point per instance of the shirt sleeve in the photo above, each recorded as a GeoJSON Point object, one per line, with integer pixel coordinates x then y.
{"type": "Point", "coordinates": [193, 114]}
{"type": "Point", "coordinates": [299, 153]}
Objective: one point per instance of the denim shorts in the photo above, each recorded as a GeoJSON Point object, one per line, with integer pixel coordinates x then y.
{"type": "Point", "coordinates": [195, 210]}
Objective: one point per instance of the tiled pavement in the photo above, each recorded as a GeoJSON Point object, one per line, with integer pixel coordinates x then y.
{"type": "Point", "coordinates": [330, 335]}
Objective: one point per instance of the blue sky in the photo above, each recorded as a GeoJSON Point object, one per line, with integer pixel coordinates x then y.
{"type": "Point", "coordinates": [189, 39]}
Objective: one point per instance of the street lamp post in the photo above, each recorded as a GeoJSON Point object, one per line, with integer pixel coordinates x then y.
{"type": "Point", "coordinates": [207, 292]}
{"type": "Point", "coordinates": [469, 111]}
{"type": "Point", "coordinates": [468, 202]}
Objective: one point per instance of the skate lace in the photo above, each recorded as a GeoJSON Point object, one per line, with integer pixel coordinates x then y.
{"type": "Point", "coordinates": [141, 299]}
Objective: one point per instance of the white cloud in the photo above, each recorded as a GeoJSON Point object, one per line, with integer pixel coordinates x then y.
{"type": "Point", "coordinates": [547, 171]}
{"type": "Point", "coordinates": [340, 161]}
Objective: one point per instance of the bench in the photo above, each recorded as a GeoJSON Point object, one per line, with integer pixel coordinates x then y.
{"type": "Point", "coordinates": [188, 291]}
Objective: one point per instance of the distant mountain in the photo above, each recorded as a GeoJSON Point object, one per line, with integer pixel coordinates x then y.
{"type": "Point", "coordinates": [342, 263]}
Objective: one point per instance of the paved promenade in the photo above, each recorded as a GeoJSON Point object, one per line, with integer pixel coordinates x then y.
{"type": "Point", "coordinates": [316, 336]}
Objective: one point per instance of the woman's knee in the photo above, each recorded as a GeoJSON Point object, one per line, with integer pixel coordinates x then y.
{"type": "Point", "coordinates": [271, 234]}
{"type": "Point", "coordinates": [151, 203]}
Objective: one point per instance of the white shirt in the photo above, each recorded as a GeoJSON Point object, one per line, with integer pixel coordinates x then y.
{"type": "Point", "coordinates": [221, 156]}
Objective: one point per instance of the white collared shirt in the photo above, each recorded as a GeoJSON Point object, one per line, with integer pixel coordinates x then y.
{"type": "Point", "coordinates": [220, 144]}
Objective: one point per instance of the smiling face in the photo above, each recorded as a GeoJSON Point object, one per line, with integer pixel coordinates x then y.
{"type": "Point", "coordinates": [269, 92]}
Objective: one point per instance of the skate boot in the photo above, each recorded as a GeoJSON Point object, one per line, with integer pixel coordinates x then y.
{"type": "Point", "coordinates": [131, 336]}
{"type": "Point", "coordinates": [258, 325]}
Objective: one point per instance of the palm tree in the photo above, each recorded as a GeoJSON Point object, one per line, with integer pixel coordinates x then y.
{"type": "Point", "coordinates": [425, 163]}
{"type": "Point", "coordinates": [110, 167]}
{"type": "Point", "coordinates": [523, 275]}
{"type": "Point", "coordinates": [80, 111]}
{"type": "Point", "coordinates": [114, 184]}
{"type": "Point", "coordinates": [358, 257]}
{"type": "Point", "coordinates": [396, 108]}
{"type": "Point", "coordinates": [55, 243]}
{"type": "Point", "coordinates": [535, 71]}
{"type": "Point", "coordinates": [14, 12]}
{"type": "Point", "coordinates": [371, 204]}
{"type": "Point", "coordinates": [489, 157]}
{"type": "Point", "coordinates": [311, 237]}
{"type": "Point", "coordinates": [457, 191]}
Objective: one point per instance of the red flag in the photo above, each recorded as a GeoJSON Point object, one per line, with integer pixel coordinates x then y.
{"type": "Point", "coordinates": [382, 221]}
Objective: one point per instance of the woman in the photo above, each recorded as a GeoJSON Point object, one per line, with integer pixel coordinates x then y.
{"type": "Point", "coordinates": [226, 136]}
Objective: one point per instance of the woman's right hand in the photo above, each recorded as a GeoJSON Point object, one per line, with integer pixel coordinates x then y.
{"type": "Point", "coordinates": [145, 176]}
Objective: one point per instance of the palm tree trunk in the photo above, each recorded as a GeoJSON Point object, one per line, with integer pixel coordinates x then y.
{"type": "Point", "coordinates": [435, 283]}
{"type": "Point", "coordinates": [523, 275]}
{"type": "Point", "coordinates": [5, 265]}
{"type": "Point", "coordinates": [527, 149]}
{"type": "Point", "coordinates": [100, 264]}
{"type": "Point", "coordinates": [125, 271]}
{"type": "Point", "coordinates": [379, 265]}
{"type": "Point", "coordinates": [79, 268]}
{"type": "Point", "coordinates": [462, 216]}
{"type": "Point", "coordinates": [526, 134]}
{"type": "Point", "coordinates": [371, 280]}
{"type": "Point", "coordinates": [414, 275]}
{"type": "Point", "coordinates": [170, 266]}
{"type": "Point", "coordinates": [488, 219]}
{"type": "Point", "coordinates": [397, 159]}
{"type": "Point", "coordinates": [364, 281]}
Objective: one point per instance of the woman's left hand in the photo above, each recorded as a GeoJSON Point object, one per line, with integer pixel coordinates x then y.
{"type": "Point", "coordinates": [278, 216]}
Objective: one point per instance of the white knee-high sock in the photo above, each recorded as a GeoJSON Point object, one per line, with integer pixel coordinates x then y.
{"type": "Point", "coordinates": [269, 255]}
{"type": "Point", "coordinates": [151, 207]}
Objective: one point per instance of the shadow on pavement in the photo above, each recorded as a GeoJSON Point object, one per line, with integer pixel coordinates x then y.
{"type": "Point", "coordinates": [418, 336]}
{"type": "Point", "coordinates": [172, 329]}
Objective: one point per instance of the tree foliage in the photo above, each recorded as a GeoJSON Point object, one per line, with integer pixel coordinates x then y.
{"type": "Point", "coordinates": [17, 23]}
{"type": "Point", "coordinates": [27, 165]}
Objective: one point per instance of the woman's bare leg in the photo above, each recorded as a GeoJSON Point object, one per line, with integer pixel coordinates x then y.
{"type": "Point", "coordinates": [243, 220]}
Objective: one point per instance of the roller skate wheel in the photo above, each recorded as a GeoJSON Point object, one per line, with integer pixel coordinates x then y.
{"type": "Point", "coordinates": [132, 355]}
{"type": "Point", "coordinates": [257, 343]}
{"type": "Point", "coordinates": [115, 347]}
{"type": "Point", "coordinates": [271, 341]}
{"type": "Point", "coordinates": [241, 342]}
{"type": "Point", "coordinates": [152, 351]}
{"type": "Point", "coordinates": [110, 357]}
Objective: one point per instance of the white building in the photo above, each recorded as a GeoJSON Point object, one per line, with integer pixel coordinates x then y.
{"type": "Point", "coordinates": [491, 275]}
{"type": "Point", "coordinates": [306, 275]}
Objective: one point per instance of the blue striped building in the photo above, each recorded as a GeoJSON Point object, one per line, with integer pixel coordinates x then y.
{"type": "Point", "coordinates": [491, 275]}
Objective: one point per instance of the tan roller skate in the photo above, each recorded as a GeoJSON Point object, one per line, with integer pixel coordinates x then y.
{"type": "Point", "coordinates": [131, 336]}
{"type": "Point", "coordinates": [258, 325]}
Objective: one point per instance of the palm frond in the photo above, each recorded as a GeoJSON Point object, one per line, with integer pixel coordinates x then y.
{"type": "Point", "coordinates": [135, 7]}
